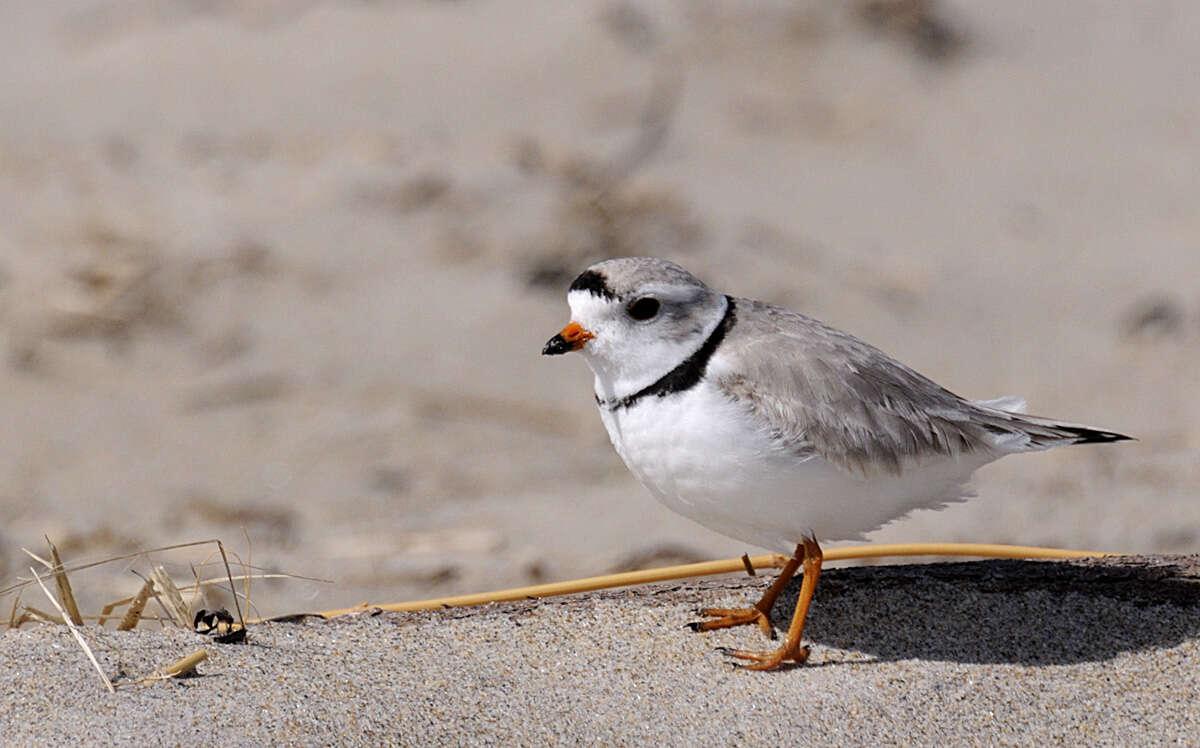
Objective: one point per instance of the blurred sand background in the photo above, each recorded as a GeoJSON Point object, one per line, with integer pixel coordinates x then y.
{"type": "Point", "coordinates": [287, 265]}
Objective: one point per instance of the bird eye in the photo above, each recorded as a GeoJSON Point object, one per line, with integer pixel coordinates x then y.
{"type": "Point", "coordinates": [644, 308]}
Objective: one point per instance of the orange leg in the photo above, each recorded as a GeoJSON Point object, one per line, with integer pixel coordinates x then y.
{"type": "Point", "coordinates": [791, 651]}
{"type": "Point", "coordinates": [760, 614]}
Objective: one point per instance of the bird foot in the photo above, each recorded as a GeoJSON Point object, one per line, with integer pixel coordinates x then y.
{"type": "Point", "coordinates": [767, 660]}
{"type": "Point", "coordinates": [723, 618]}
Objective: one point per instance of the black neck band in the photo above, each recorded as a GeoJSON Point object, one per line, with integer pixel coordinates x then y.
{"type": "Point", "coordinates": [688, 373]}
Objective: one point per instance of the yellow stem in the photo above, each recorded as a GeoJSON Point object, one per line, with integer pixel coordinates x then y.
{"type": "Point", "coordinates": [707, 568]}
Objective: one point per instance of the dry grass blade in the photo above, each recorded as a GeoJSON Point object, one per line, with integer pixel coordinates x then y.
{"type": "Point", "coordinates": [12, 617]}
{"type": "Point", "coordinates": [708, 568]}
{"type": "Point", "coordinates": [240, 577]}
{"type": "Point", "coordinates": [78, 636]}
{"type": "Point", "coordinates": [101, 562]}
{"type": "Point", "coordinates": [180, 669]}
{"type": "Point", "coordinates": [105, 612]}
{"type": "Point", "coordinates": [176, 608]}
{"type": "Point", "coordinates": [232, 589]}
{"type": "Point", "coordinates": [64, 586]}
{"type": "Point", "coordinates": [135, 554]}
{"type": "Point", "coordinates": [40, 616]}
{"type": "Point", "coordinates": [201, 583]}
{"type": "Point", "coordinates": [187, 666]}
{"type": "Point", "coordinates": [224, 563]}
{"type": "Point", "coordinates": [134, 613]}
{"type": "Point", "coordinates": [35, 557]}
{"type": "Point", "coordinates": [249, 560]}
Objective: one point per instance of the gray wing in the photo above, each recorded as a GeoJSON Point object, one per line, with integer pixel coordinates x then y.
{"type": "Point", "coordinates": [825, 392]}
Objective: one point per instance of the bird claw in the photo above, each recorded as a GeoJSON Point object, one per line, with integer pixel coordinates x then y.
{"type": "Point", "coordinates": [766, 660]}
{"type": "Point", "coordinates": [723, 618]}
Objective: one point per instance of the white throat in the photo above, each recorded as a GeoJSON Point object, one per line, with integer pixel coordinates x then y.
{"type": "Point", "coordinates": [626, 361]}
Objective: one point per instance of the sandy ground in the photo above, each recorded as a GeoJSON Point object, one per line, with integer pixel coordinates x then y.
{"type": "Point", "coordinates": [994, 653]}
{"type": "Point", "coordinates": [281, 270]}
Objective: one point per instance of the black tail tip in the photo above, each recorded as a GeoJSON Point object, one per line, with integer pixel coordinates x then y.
{"type": "Point", "coordinates": [1096, 436]}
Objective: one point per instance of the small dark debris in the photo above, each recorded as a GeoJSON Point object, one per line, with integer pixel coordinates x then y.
{"type": "Point", "coordinates": [749, 566]}
{"type": "Point", "coordinates": [219, 625]}
{"type": "Point", "coordinates": [296, 618]}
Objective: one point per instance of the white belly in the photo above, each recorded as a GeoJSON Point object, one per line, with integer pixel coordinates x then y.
{"type": "Point", "coordinates": [701, 455]}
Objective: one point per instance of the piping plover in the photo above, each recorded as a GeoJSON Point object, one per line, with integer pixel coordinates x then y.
{"type": "Point", "coordinates": [772, 428]}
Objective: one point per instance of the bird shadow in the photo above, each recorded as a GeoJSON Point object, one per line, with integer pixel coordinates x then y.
{"type": "Point", "coordinates": [1004, 612]}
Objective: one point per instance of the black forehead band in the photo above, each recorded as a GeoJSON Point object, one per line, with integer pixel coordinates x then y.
{"type": "Point", "coordinates": [593, 283]}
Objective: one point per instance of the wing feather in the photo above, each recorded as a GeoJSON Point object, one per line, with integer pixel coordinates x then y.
{"type": "Point", "coordinates": [824, 392]}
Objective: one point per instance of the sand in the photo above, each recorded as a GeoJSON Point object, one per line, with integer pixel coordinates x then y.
{"type": "Point", "coordinates": [1000, 653]}
{"type": "Point", "coordinates": [279, 272]}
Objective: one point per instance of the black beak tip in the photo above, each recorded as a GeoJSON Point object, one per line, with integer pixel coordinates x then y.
{"type": "Point", "coordinates": [557, 346]}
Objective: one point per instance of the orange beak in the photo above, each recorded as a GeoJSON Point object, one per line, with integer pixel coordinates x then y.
{"type": "Point", "coordinates": [572, 338]}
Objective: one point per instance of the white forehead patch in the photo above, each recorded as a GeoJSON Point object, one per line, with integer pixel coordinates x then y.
{"type": "Point", "coordinates": [586, 305]}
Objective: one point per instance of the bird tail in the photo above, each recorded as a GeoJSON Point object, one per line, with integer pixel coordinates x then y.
{"type": "Point", "coordinates": [1074, 433]}
{"type": "Point", "coordinates": [1013, 429]}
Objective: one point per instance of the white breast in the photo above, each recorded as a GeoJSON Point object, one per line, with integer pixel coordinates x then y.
{"type": "Point", "coordinates": [704, 456]}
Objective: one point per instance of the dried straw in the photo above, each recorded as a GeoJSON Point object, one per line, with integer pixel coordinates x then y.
{"type": "Point", "coordinates": [78, 636]}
